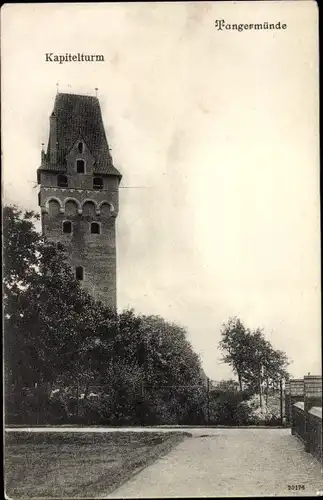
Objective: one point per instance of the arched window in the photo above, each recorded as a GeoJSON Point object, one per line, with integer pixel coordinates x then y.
{"type": "Point", "coordinates": [106, 208]}
{"type": "Point", "coordinates": [62, 181]}
{"type": "Point", "coordinates": [95, 228]}
{"type": "Point", "coordinates": [79, 273]}
{"type": "Point", "coordinates": [80, 147]}
{"type": "Point", "coordinates": [88, 208]}
{"type": "Point", "coordinates": [80, 166]}
{"type": "Point", "coordinates": [53, 207]}
{"type": "Point", "coordinates": [67, 226]}
{"type": "Point", "coordinates": [71, 207]}
{"type": "Point", "coordinates": [97, 183]}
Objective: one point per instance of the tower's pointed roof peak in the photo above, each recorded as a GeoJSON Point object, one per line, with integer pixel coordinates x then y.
{"type": "Point", "coordinates": [80, 115]}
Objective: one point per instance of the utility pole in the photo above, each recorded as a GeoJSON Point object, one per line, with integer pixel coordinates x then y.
{"type": "Point", "coordinates": [77, 399]}
{"type": "Point", "coordinates": [208, 400]}
{"type": "Point", "coordinates": [142, 402]}
{"type": "Point", "coordinates": [281, 401]}
{"type": "Point", "coordinates": [260, 387]}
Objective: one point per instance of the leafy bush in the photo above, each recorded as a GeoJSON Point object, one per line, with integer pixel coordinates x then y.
{"type": "Point", "coordinates": [229, 408]}
{"type": "Point", "coordinates": [268, 414]}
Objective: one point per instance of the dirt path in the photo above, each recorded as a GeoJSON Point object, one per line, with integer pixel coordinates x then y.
{"type": "Point", "coordinates": [229, 462]}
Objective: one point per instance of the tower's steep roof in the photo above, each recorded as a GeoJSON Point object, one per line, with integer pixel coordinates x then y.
{"type": "Point", "coordinates": [79, 116]}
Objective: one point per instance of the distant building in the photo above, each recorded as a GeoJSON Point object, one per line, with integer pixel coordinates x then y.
{"type": "Point", "coordinates": [224, 385]}
{"type": "Point", "coordinates": [79, 193]}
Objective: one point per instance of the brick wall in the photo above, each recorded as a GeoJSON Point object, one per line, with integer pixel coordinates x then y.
{"type": "Point", "coordinates": [314, 432]}
{"type": "Point", "coordinates": [95, 252]}
{"type": "Point", "coordinates": [50, 190]}
{"type": "Point", "coordinates": [294, 392]}
{"type": "Point", "coordinates": [312, 391]}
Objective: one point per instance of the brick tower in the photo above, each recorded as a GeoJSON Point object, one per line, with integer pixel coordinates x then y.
{"type": "Point", "coordinates": [78, 193]}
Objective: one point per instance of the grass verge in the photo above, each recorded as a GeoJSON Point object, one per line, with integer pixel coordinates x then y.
{"type": "Point", "coordinates": [78, 465]}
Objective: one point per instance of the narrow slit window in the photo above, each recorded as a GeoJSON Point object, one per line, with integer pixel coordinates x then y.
{"type": "Point", "coordinates": [67, 226]}
{"type": "Point", "coordinates": [97, 183]}
{"type": "Point", "coordinates": [62, 181]}
{"type": "Point", "coordinates": [95, 228]}
{"type": "Point", "coordinates": [79, 273]}
{"type": "Point", "coordinates": [80, 147]}
{"type": "Point", "coordinates": [80, 166]}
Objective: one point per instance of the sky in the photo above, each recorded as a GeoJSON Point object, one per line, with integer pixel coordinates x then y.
{"type": "Point", "coordinates": [216, 136]}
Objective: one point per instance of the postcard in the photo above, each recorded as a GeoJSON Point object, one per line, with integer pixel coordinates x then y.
{"type": "Point", "coordinates": [161, 249]}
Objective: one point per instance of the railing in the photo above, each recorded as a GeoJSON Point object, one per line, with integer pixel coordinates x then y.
{"type": "Point", "coordinates": [307, 426]}
{"type": "Point", "coordinates": [314, 431]}
{"type": "Point", "coordinates": [298, 420]}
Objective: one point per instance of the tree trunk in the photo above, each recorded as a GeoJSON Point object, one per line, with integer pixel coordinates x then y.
{"type": "Point", "coordinates": [86, 391]}
{"type": "Point", "coordinates": [240, 381]}
{"type": "Point", "coordinates": [260, 391]}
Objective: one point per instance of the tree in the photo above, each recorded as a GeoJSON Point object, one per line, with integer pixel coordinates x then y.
{"type": "Point", "coordinates": [20, 248]}
{"type": "Point", "coordinates": [57, 334]}
{"type": "Point", "coordinates": [266, 365]}
{"type": "Point", "coordinates": [160, 348]}
{"type": "Point", "coordinates": [251, 356]}
{"type": "Point", "coordinates": [235, 345]}
{"type": "Point", "coordinates": [51, 324]}
{"type": "Point", "coordinates": [166, 361]}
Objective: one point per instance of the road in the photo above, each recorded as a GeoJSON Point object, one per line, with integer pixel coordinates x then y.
{"type": "Point", "coordinates": [229, 462]}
